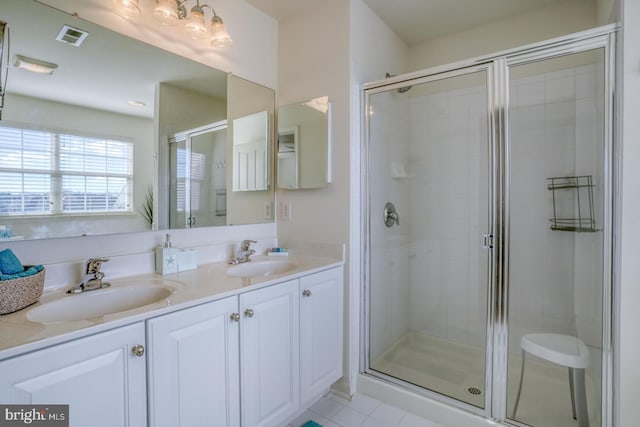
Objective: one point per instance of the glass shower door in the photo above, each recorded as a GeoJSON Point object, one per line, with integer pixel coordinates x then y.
{"type": "Point", "coordinates": [429, 209]}
{"type": "Point", "coordinates": [557, 187]}
{"type": "Point", "coordinates": [198, 169]}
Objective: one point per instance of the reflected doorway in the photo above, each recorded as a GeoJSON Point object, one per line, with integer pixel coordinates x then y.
{"type": "Point", "coordinates": [198, 181]}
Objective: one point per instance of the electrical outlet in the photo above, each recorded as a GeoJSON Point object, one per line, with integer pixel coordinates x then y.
{"type": "Point", "coordinates": [286, 211]}
{"type": "Point", "coordinates": [267, 210]}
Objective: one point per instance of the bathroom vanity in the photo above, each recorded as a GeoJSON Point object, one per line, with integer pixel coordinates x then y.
{"type": "Point", "coordinates": [220, 350]}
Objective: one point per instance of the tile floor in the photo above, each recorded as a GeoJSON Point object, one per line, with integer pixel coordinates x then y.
{"type": "Point", "coordinates": [361, 411]}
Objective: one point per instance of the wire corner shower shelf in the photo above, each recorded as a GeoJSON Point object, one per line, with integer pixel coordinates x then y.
{"type": "Point", "coordinates": [573, 208]}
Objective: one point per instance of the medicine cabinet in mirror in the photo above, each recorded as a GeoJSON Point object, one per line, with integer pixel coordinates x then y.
{"type": "Point", "coordinates": [303, 144]}
{"type": "Point", "coordinates": [250, 144]}
{"type": "Point", "coordinates": [84, 148]}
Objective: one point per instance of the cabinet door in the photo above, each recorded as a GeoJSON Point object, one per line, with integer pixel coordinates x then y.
{"type": "Point", "coordinates": [193, 366]}
{"type": "Point", "coordinates": [269, 354]}
{"type": "Point", "coordinates": [99, 377]}
{"type": "Point", "coordinates": [321, 329]}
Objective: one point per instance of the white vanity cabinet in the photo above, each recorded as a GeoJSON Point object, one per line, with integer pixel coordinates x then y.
{"type": "Point", "coordinates": [321, 332]}
{"type": "Point", "coordinates": [101, 377]}
{"type": "Point", "coordinates": [201, 357]}
{"type": "Point", "coordinates": [269, 355]}
{"type": "Point", "coordinates": [253, 359]}
{"type": "Point", "coordinates": [193, 366]}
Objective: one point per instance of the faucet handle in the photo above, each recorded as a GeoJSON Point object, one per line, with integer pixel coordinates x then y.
{"type": "Point", "coordinates": [244, 246]}
{"type": "Point", "coordinates": [94, 265]}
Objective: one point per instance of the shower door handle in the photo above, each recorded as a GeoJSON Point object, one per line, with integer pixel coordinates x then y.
{"type": "Point", "coordinates": [391, 217]}
{"type": "Point", "coordinates": [487, 241]}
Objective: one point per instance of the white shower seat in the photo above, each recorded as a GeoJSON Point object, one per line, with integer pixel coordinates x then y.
{"type": "Point", "coordinates": [564, 350]}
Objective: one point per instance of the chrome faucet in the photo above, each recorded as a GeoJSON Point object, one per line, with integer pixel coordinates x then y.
{"type": "Point", "coordinates": [92, 278]}
{"type": "Point", "coordinates": [244, 253]}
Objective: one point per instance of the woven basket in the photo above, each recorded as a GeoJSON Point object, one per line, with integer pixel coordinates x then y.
{"type": "Point", "coordinates": [16, 294]}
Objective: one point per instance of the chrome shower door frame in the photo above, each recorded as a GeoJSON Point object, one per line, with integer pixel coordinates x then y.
{"type": "Point", "coordinates": [429, 76]}
{"type": "Point", "coordinates": [497, 69]}
{"type": "Point", "coordinates": [602, 38]}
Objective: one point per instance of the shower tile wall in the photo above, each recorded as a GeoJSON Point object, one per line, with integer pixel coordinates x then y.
{"type": "Point", "coordinates": [555, 279]}
{"type": "Point", "coordinates": [448, 154]}
{"type": "Point", "coordinates": [557, 274]}
{"type": "Point", "coordinates": [389, 152]}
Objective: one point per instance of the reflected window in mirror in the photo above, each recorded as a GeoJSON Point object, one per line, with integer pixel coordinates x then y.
{"type": "Point", "coordinates": [46, 174]}
{"type": "Point", "coordinates": [304, 145]}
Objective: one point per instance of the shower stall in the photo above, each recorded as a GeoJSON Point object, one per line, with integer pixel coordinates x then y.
{"type": "Point", "coordinates": [488, 232]}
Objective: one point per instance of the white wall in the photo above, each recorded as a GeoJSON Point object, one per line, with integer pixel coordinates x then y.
{"type": "Point", "coordinates": [252, 56]}
{"type": "Point", "coordinates": [629, 238]}
{"type": "Point", "coordinates": [375, 50]}
{"type": "Point", "coordinates": [313, 61]}
{"type": "Point", "coordinates": [545, 23]}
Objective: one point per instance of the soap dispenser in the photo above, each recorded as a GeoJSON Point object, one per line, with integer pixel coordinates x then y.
{"type": "Point", "coordinates": [166, 257]}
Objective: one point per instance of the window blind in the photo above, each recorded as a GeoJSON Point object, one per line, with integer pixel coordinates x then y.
{"type": "Point", "coordinates": [45, 172]}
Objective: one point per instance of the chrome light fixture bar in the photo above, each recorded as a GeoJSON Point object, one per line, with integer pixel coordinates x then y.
{"type": "Point", "coordinates": [171, 12]}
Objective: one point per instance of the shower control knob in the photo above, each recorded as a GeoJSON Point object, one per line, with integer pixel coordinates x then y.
{"type": "Point", "coordinates": [391, 216]}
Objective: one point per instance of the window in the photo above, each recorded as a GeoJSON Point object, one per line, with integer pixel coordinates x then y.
{"type": "Point", "coordinates": [195, 180]}
{"type": "Point", "coordinates": [49, 173]}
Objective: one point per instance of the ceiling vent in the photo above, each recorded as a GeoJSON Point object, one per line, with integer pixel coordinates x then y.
{"type": "Point", "coordinates": [71, 35]}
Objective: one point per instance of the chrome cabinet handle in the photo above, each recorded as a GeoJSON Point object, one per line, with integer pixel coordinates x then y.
{"type": "Point", "coordinates": [235, 317]}
{"type": "Point", "coordinates": [306, 293]}
{"type": "Point", "coordinates": [138, 350]}
{"type": "Point", "coordinates": [249, 312]}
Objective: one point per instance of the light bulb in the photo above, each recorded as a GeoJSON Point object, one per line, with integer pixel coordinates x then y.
{"type": "Point", "coordinates": [166, 12]}
{"type": "Point", "coordinates": [219, 35]}
{"type": "Point", "coordinates": [196, 26]}
{"type": "Point", "coordinates": [127, 8]}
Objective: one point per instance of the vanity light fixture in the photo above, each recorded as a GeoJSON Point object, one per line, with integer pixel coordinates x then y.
{"type": "Point", "coordinates": [127, 8]}
{"type": "Point", "coordinates": [171, 12]}
{"type": "Point", "coordinates": [34, 65]}
{"type": "Point", "coordinates": [219, 35]}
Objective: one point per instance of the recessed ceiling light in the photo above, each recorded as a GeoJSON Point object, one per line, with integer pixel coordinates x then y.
{"type": "Point", "coordinates": [34, 65]}
{"type": "Point", "coordinates": [137, 104]}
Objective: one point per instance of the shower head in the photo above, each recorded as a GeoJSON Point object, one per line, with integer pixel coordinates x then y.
{"type": "Point", "coordinates": [403, 89]}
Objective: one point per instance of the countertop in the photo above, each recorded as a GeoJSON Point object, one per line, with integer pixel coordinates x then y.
{"type": "Point", "coordinates": [209, 282]}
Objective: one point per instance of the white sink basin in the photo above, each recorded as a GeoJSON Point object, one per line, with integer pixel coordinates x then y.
{"type": "Point", "coordinates": [257, 268]}
{"type": "Point", "coordinates": [98, 303]}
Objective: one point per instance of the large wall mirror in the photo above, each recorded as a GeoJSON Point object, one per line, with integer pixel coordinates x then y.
{"type": "Point", "coordinates": [303, 144]}
{"type": "Point", "coordinates": [85, 143]}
